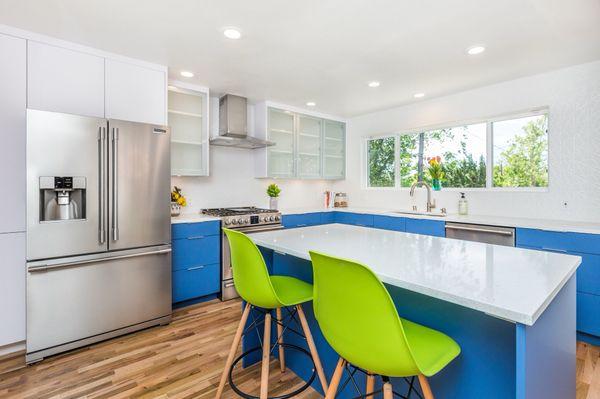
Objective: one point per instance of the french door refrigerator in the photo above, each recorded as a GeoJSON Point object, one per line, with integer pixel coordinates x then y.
{"type": "Point", "coordinates": [98, 230]}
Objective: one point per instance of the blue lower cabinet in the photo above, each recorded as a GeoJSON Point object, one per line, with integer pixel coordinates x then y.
{"type": "Point", "coordinates": [389, 223]}
{"type": "Point", "coordinates": [588, 313]}
{"type": "Point", "coordinates": [428, 227]}
{"type": "Point", "coordinates": [588, 274]}
{"type": "Point", "coordinates": [558, 240]}
{"type": "Point", "coordinates": [188, 230]}
{"type": "Point", "coordinates": [357, 219]}
{"type": "Point", "coordinates": [197, 250]}
{"type": "Point", "coordinates": [301, 220]}
{"type": "Point", "coordinates": [327, 217]}
{"type": "Point", "coordinates": [196, 281]}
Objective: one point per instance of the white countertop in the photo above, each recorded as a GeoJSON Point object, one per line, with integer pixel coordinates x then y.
{"type": "Point", "coordinates": [542, 224]}
{"type": "Point", "coordinates": [192, 218]}
{"type": "Point", "coordinates": [510, 283]}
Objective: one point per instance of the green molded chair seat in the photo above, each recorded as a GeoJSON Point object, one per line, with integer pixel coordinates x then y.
{"type": "Point", "coordinates": [359, 320]}
{"type": "Point", "coordinates": [291, 291]}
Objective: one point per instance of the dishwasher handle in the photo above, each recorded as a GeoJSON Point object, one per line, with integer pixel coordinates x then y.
{"type": "Point", "coordinates": [509, 233]}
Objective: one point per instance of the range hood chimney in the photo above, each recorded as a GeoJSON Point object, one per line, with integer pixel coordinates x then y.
{"type": "Point", "coordinates": [233, 125]}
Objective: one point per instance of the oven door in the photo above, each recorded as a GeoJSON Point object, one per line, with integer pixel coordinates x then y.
{"type": "Point", "coordinates": [227, 285]}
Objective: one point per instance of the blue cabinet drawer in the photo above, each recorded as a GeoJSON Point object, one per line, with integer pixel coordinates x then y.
{"type": "Point", "coordinates": [327, 217]}
{"type": "Point", "coordinates": [559, 241]}
{"type": "Point", "coordinates": [301, 220]}
{"type": "Point", "coordinates": [188, 252]}
{"type": "Point", "coordinates": [196, 282]}
{"type": "Point", "coordinates": [389, 223]}
{"type": "Point", "coordinates": [427, 227]}
{"type": "Point", "coordinates": [588, 313]}
{"type": "Point", "coordinates": [588, 274]}
{"type": "Point", "coordinates": [185, 230]}
{"type": "Point", "coordinates": [357, 219]}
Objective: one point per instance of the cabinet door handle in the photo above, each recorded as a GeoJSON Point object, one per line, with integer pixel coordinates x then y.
{"type": "Point", "coordinates": [554, 250]}
{"type": "Point", "coordinates": [229, 285]}
{"type": "Point", "coordinates": [195, 268]}
{"type": "Point", "coordinates": [195, 238]}
{"type": "Point", "coordinates": [301, 225]}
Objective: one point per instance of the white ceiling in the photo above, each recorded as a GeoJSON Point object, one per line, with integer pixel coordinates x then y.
{"type": "Point", "coordinates": [328, 50]}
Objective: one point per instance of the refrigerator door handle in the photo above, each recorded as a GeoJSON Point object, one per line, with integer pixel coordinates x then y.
{"type": "Point", "coordinates": [115, 184]}
{"type": "Point", "coordinates": [101, 184]}
{"type": "Point", "coordinates": [46, 267]}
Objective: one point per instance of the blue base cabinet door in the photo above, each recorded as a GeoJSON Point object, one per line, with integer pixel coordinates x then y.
{"type": "Point", "coordinates": [196, 260]}
{"type": "Point", "coordinates": [196, 282]}
{"type": "Point", "coordinates": [301, 220]}
{"type": "Point", "coordinates": [389, 223]}
{"type": "Point", "coordinates": [424, 226]}
{"type": "Point", "coordinates": [356, 219]}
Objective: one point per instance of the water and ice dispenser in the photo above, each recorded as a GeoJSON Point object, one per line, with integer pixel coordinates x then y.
{"type": "Point", "coordinates": [62, 198]}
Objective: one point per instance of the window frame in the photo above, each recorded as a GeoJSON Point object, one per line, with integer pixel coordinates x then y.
{"type": "Point", "coordinates": [489, 161]}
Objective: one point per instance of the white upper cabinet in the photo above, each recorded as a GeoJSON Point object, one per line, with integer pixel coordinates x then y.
{"type": "Point", "coordinates": [306, 146]}
{"type": "Point", "coordinates": [12, 134]}
{"type": "Point", "coordinates": [64, 80]}
{"type": "Point", "coordinates": [135, 93]}
{"type": "Point", "coordinates": [188, 119]}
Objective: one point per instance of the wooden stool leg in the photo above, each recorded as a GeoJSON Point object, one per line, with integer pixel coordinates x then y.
{"type": "Point", "coordinates": [312, 347]}
{"type": "Point", "coordinates": [387, 391]}
{"type": "Point", "coordinates": [280, 338]}
{"type": "Point", "coordinates": [234, 346]}
{"type": "Point", "coordinates": [370, 386]}
{"type": "Point", "coordinates": [427, 394]}
{"type": "Point", "coordinates": [335, 379]}
{"type": "Point", "coordinates": [264, 374]}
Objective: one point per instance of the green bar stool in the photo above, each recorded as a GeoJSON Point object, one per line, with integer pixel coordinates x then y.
{"type": "Point", "coordinates": [359, 320]}
{"type": "Point", "coordinates": [260, 290]}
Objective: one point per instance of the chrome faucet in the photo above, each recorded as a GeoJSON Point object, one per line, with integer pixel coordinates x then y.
{"type": "Point", "coordinates": [430, 201]}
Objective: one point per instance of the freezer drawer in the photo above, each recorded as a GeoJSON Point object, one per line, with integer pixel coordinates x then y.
{"type": "Point", "coordinates": [77, 298]}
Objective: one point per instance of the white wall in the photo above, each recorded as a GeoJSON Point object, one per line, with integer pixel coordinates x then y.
{"type": "Point", "coordinates": [573, 97]}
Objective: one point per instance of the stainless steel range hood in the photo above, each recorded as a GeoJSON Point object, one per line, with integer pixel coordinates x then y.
{"type": "Point", "coordinates": [233, 125]}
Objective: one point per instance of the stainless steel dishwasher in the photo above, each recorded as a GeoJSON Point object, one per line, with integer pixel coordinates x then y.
{"type": "Point", "coordinates": [481, 233]}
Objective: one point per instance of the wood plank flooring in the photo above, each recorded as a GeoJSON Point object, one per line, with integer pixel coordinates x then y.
{"type": "Point", "coordinates": [181, 360]}
{"type": "Point", "coordinates": [184, 360]}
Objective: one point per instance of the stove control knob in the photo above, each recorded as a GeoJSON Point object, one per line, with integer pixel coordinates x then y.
{"type": "Point", "coordinates": [277, 218]}
{"type": "Point", "coordinates": [271, 218]}
{"type": "Point", "coordinates": [233, 221]}
{"type": "Point", "coordinates": [227, 222]}
{"type": "Point", "coordinates": [240, 221]}
{"type": "Point", "coordinates": [247, 221]}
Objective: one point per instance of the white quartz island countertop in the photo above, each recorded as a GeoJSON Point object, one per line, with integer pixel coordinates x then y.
{"type": "Point", "coordinates": [510, 283]}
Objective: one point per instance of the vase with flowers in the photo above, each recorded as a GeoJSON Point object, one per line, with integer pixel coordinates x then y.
{"type": "Point", "coordinates": [177, 201]}
{"type": "Point", "coordinates": [436, 171]}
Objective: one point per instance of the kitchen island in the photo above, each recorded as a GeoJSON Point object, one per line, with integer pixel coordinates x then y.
{"type": "Point", "coordinates": [511, 310]}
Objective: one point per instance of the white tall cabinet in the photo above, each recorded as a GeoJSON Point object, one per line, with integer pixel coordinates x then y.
{"type": "Point", "coordinates": [307, 146]}
{"type": "Point", "coordinates": [12, 194]}
{"type": "Point", "coordinates": [64, 80]}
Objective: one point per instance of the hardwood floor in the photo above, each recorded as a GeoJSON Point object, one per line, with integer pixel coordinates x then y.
{"type": "Point", "coordinates": [181, 360]}
{"type": "Point", "coordinates": [184, 360]}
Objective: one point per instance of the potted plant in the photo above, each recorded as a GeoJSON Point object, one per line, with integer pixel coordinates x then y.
{"type": "Point", "coordinates": [177, 201]}
{"type": "Point", "coordinates": [436, 172]}
{"type": "Point", "coordinates": [273, 192]}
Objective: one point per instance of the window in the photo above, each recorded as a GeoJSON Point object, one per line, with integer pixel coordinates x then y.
{"type": "Point", "coordinates": [521, 152]}
{"type": "Point", "coordinates": [382, 163]}
{"type": "Point", "coordinates": [497, 153]}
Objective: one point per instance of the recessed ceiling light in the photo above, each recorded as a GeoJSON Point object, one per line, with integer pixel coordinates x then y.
{"type": "Point", "coordinates": [374, 84]}
{"type": "Point", "coordinates": [474, 50]}
{"type": "Point", "coordinates": [311, 103]}
{"type": "Point", "coordinates": [419, 95]}
{"type": "Point", "coordinates": [232, 33]}
{"type": "Point", "coordinates": [187, 74]}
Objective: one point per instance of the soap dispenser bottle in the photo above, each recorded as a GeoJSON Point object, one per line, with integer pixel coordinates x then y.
{"type": "Point", "coordinates": [463, 205]}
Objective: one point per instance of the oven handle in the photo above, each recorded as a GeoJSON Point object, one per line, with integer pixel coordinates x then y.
{"type": "Point", "coordinates": [259, 229]}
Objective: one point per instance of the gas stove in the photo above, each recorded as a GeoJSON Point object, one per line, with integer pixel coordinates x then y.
{"type": "Point", "coordinates": [245, 216]}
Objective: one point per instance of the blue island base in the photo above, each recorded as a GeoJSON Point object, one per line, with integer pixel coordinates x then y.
{"type": "Point", "coordinates": [499, 359]}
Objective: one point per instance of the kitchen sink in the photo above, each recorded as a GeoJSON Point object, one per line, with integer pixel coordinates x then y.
{"type": "Point", "coordinates": [421, 213]}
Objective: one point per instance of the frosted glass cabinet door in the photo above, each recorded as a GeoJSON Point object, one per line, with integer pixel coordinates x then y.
{"type": "Point", "coordinates": [309, 146]}
{"type": "Point", "coordinates": [281, 156]}
{"type": "Point", "coordinates": [334, 147]}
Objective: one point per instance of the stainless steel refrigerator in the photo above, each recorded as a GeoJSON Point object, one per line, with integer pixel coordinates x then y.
{"type": "Point", "coordinates": [98, 230]}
